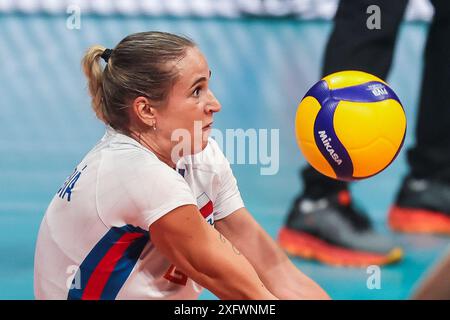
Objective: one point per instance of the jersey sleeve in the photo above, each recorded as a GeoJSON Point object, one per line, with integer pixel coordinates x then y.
{"type": "Point", "coordinates": [228, 197]}
{"type": "Point", "coordinates": [140, 193]}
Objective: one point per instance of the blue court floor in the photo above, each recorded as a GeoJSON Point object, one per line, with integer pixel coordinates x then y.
{"type": "Point", "coordinates": [260, 70]}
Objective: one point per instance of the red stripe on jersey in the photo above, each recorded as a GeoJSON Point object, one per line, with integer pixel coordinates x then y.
{"type": "Point", "coordinates": [105, 267]}
{"type": "Point", "coordinates": [207, 209]}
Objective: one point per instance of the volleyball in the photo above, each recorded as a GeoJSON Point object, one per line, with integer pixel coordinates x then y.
{"type": "Point", "coordinates": [350, 125]}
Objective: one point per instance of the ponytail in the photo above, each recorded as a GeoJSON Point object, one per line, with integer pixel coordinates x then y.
{"type": "Point", "coordinates": [94, 73]}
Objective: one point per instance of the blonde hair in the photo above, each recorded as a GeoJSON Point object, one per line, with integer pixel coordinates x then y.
{"type": "Point", "coordinates": [137, 66]}
{"type": "Point", "coordinates": [94, 72]}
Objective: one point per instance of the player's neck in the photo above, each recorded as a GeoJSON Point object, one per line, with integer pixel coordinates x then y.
{"type": "Point", "coordinates": [163, 151]}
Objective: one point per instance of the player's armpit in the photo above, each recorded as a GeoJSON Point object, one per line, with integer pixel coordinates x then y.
{"type": "Point", "coordinates": [205, 255]}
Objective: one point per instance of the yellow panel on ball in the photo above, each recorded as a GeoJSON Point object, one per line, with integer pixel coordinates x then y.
{"type": "Point", "coordinates": [393, 122]}
{"type": "Point", "coordinates": [304, 120]}
{"type": "Point", "coordinates": [343, 79]}
{"type": "Point", "coordinates": [304, 123]}
{"type": "Point", "coordinates": [357, 123]}
{"type": "Point", "coordinates": [316, 159]}
{"type": "Point", "coordinates": [371, 132]}
{"type": "Point", "coordinates": [373, 158]}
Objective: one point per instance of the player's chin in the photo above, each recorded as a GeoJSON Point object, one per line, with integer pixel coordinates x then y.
{"type": "Point", "coordinates": [205, 138]}
{"type": "Point", "coordinates": [205, 142]}
{"type": "Point", "coordinates": [205, 135]}
{"type": "Point", "coordinates": [199, 146]}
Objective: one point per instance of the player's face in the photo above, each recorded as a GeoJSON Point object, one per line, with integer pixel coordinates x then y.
{"type": "Point", "coordinates": [191, 105]}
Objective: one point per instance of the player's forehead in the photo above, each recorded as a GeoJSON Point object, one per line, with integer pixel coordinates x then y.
{"type": "Point", "coordinates": [191, 66]}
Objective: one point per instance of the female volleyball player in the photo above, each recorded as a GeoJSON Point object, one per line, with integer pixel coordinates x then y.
{"type": "Point", "coordinates": [134, 220]}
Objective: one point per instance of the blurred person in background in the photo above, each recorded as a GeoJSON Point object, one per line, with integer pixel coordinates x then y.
{"type": "Point", "coordinates": [323, 222]}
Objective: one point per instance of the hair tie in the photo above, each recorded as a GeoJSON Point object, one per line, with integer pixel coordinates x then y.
{"type": "Point", "coordinates": [106, 54]}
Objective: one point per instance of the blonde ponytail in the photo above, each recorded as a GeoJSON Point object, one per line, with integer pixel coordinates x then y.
{"type": "Point", "coordinates": [94, 72]}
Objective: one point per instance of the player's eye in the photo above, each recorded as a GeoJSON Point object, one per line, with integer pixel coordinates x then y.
{"type": "Point", "coordinates": [197, 91]}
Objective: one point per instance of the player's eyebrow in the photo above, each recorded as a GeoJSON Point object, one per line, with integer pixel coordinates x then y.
{"type": "Point", "coordinates": [201, 79]}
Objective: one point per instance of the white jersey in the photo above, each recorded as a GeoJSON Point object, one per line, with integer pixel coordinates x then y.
{"type": "Point", "coordinates": [94, 242]}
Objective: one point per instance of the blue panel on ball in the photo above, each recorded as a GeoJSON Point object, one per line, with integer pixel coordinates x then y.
{"type": "Point", "coordinates": [325, 136]}
{"type": "Point", "coordinates": [328, 143]}
{"type": "Point", "coordinates": [372, 91]}
{"type": "Point", "coordinates": [319, 91]}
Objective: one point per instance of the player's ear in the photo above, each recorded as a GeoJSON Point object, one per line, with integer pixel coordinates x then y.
{"type": "Point", "coordinates": [143, 110]}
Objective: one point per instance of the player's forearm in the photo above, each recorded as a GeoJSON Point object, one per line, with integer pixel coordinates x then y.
{"type": "Point", "coordinates": [233, 284]}
{"type": "Point", "coordinates": [279, 274]}
{"type": "Point", "coordinates": [275, 269]}
{"type": "Point", "coordinates": [286, 282]}
{"type": "Point", "coordinates": [227, 273]}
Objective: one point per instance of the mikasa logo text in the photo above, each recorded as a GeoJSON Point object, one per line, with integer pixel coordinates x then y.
{"type": "Point", "coordinates": [328, 147]}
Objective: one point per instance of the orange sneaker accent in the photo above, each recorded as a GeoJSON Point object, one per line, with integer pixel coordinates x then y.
{"type": "Point", "coordinates": [344, 198]}
{"type": "Point", "coordinates": [310, 247]}
{"type": "Point", "coordinates": [411, 220]}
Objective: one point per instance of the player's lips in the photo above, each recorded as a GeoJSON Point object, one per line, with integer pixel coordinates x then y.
{"type": "Point", "coordinates": [208, 126]}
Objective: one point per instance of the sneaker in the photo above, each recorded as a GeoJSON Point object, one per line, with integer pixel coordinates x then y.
{"type": "Point", "coordinates": [422, 206]}
{"type": "Point", "coordinates": [331, 230]}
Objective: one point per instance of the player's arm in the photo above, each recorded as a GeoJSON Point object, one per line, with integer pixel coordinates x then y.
{"type": "Point", "coordinates": [204, 255]}
{"type": "Point", "coordinates": [273, 266]}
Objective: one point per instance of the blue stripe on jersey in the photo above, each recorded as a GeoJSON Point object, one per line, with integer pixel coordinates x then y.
{"type": "Point", "coordinates": [123, 268]}
{"type": "Point", "coordinates": [89, 264]}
